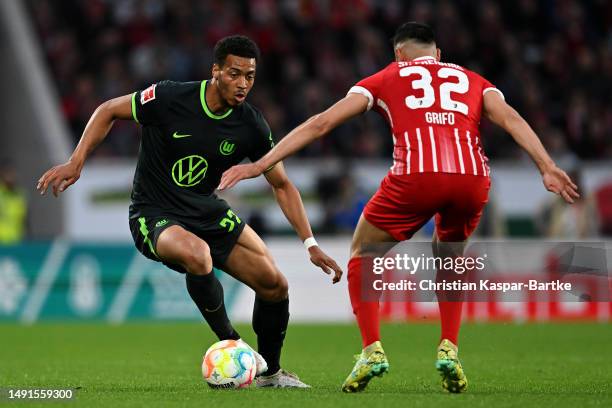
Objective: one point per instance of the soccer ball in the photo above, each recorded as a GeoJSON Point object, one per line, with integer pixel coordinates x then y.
{"type": "Point", "coordinates": [229, 364]}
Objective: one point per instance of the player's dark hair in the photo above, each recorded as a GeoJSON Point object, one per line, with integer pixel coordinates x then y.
{"type": "Point", "coordinates": [413, 31]}
{"type": "Point", "coordinates": [238, 45]}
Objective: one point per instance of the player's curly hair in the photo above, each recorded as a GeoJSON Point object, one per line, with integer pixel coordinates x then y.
{"type": "Point", "coordinates": [418, 32]}
{"type": "Point", "coordinates": [238, 45]}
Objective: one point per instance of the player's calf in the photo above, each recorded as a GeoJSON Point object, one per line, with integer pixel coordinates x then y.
{"type": "Point", "coordinates": [270, 321]}
{"type": "Point", "coordinates": [207, 293]}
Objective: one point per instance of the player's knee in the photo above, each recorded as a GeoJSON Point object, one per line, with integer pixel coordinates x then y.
{"type": "Point", "coordinates": [197, 259]}
{"type": "Point", "coordinates": [282, 288]}
{"type": "Point", "coordinates": [356, 249]}
{"type": "Point", "coordinates": [454, 248]}
{"type": "Point", "coordinates": [275, 290]}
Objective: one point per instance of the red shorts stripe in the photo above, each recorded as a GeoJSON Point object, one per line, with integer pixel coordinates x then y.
{"type": "Point", "coordinates": [403, 204]}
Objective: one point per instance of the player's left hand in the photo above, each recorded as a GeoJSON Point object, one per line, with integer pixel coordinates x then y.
{"type": "Point", "coordinates": [327, 264]}
{"type": "Point", "coordinates": [557, 181]}
{"type": "Point", "coordinates": [233, 175]}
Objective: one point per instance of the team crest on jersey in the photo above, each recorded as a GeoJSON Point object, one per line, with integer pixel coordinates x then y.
{"type": "Point", "coordinates": [189, 171]}
{"type": "Point", "coordinates": [226, 147]}
{"type": "Point", "coordinates": [148, 94]}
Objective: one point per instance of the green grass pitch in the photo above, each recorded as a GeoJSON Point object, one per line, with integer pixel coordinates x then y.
{"type": "Point", "coordinates": [158, 365]}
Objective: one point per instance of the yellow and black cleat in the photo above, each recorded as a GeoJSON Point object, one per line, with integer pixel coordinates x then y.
{"type": "Point", "coordinates": [449, 367]}
{"type": "Point", "coordinates": [372, 362]}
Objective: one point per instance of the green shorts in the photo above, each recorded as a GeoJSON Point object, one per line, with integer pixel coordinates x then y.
{"type": "Point", "coordinates": [220, 233]}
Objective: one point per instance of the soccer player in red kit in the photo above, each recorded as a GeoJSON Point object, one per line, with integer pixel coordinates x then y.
{"type": "Point", "coordinates": [439, 169]}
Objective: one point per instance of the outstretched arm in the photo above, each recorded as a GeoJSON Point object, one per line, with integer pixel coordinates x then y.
{"type": "Point", "coordinates": [554, 179]}
{"type": "Point", "coordinates": [315, 127]}
{"type": "Point", "coordinates": [290, 201]}
{"type": "Point", "coordinates": [64, 175]}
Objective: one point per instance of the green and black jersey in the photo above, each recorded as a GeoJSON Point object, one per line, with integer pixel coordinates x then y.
{"type": "Point", "coordinates": [185, 148]}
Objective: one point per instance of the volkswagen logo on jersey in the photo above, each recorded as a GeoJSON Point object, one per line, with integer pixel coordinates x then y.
{"type": "Point", "coordinates": [226, 147]}
{"type": "Point", "coordinates": [189, 171]}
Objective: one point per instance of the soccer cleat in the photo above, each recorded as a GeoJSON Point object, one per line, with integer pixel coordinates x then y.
{"type": "Point", "coordinates": [449, 367]}
{"type": "Point", "coordinates": [262, 366]}
{"type": "Point", "coordinates": [280, 379]}
{"type": "Point", "coordinates": [372, 362]}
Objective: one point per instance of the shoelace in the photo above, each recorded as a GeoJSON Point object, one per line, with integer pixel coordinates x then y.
{"type": "Point", "coordinates": [289, 374]}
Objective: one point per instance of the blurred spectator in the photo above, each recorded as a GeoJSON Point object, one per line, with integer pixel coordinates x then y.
{"type": "Point", "coordinates": [551, 59]}
{"type": "Point", "coordinates": [342, 201]}
{"type": "Point", "coordinates": [603, 199]}
{"type": "Point", "coordinates": [13, 207]}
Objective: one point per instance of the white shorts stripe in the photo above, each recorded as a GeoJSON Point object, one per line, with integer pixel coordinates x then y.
{"type": "Point", "coordinates": [459, 151]}
{"type": "Point", "coordinates": [471, 153]}
{"type": "Point", "coordinates": [418, 132]}
{"type": "Point", "coordinates": [407, 152]}
{"type": "Point", "coordinates": [434, 154]}
{"type": "Point", "coordinates": [394, 169]}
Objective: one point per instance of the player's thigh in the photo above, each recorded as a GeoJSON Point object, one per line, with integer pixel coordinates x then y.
{"type": "Point", "coordinates": [365, 234]}
{"type": "Point", "coordinates": [399, 208]}
{"type": "Point", "coordinates": [177, 246]}
{"type": "Point", "coordinates": [251, 263]}
{"type": "Point", "coordinates": [457, 221]}
{"type": "Point", "coordinates": [146, 231]}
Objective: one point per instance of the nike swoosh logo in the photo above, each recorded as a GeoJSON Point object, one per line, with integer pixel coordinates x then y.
{"type": "Point", "coordinates": [177, 135]}
{"type": "Point", "coordinates": [214, 310]}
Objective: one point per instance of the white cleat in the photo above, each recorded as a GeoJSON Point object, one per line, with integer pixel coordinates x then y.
{"type": "Point", "coordinates": [262, 366]}
{"type": "Point", "coordinates": [281, 379]}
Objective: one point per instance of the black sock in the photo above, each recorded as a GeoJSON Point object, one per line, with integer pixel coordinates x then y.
{"type": "Point", "coordinates": [207, 293]}
{"type": "Point", "coordinates": [270, 320]}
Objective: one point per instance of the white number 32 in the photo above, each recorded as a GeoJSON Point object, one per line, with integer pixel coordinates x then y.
{"type": "Point", "coordinates": [424, 83]}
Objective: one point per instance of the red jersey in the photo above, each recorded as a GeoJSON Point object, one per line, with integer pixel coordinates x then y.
{"type": "Point", "coordinates": [433, 109]}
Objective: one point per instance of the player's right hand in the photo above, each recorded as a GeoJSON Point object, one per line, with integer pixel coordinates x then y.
{"type": "Point", "coordinates": [325, 262]}
{"type": "Point", "coordinates": [59, 178]}
{"type": "Point", "coordinates": [557, 181]}
{"type": "Point", "coordinates": [233, 175]}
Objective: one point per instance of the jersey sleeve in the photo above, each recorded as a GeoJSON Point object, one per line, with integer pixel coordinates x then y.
{"type": "Point", "coordinates": [149, 105]}
{"type": "Point", "coordinates": [264, 141]}
{"type": "Point", "coordinates": [489, 87]}
{"type": "Point", "coordinates": [369, 87]}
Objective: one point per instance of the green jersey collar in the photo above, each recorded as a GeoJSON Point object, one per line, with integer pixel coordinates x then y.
{"type": "Point", "coordinates": [205, 107]}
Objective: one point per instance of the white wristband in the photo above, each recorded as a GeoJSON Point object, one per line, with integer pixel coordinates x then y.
{"type": "Point", "coordinates": [310, 242]}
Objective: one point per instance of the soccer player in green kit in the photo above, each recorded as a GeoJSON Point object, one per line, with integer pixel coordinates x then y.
{"type": "Point", "coordinates": [192, 133]}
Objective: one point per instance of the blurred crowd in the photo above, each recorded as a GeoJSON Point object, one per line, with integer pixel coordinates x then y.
{"type": "Point", "coordinates": [552, 59]}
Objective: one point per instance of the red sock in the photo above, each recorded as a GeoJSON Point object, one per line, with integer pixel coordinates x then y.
{"type": "Point", "coordinates": [366, 312]}
{"type": "Point", "coordinates": [450, 320]}
{"type": "Point", "coordinates": [450, 304]}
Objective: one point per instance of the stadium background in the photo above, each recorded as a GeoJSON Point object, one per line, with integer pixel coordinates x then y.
{"type": "Point", "coordinates": [550, 58]}
{"type": "Point", "coordinates": [72, 260]}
